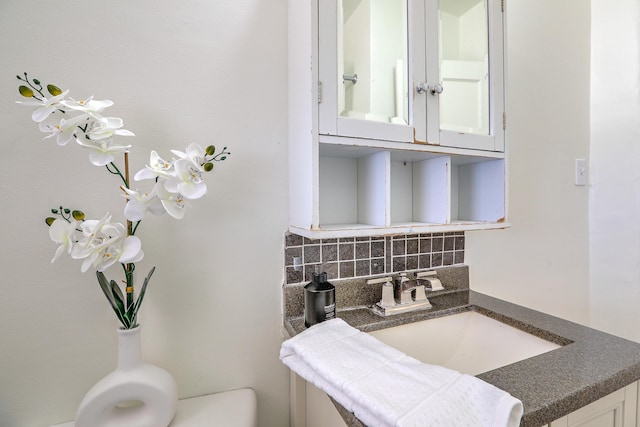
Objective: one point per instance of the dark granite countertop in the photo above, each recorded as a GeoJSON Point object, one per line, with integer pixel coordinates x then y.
{"type": "Point", "coordinates": [589, 365]}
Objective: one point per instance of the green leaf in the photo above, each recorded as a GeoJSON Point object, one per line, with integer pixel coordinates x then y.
{"type": "Point", "coordinates": [117, 295]}
{"type": "Point", "coordinates": [119, 300]}
{"type": "Point", "coordinates": [25, 91]}
{"type": "Point", "coordinates": [106, 289]}
{"type": "Point", "coordinates": [135, 307]}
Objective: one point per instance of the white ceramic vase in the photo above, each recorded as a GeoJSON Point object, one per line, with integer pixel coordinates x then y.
{"type": "Point", "coordinates": [135, 394]}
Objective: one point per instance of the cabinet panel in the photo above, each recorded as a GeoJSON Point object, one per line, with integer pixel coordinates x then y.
{"type": "Point", "coordinates": [401, 192]}
{"type": "Point", "coordinates": [431, 191]}
{"type": "Point", "coordinates": [617, 409]}
{"type": "Point", "coordinates": [338, 190]}
{"type": "Point", "coordinates": [420, 192]}
{"type": "Point", "coordinates": [373, 189]}
{"type": "Point", "coordinates": [354, 191]}
{"type": "Point", "coordinates": [478, 190]}
{"type": "Point", "coordinates": [321, 412]}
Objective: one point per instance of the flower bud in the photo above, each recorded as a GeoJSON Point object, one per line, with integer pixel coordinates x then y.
{"type": "Point", "coordinates": [54, 90]}
{"type": "Point", "coordinates": [77, 215]}
{"type": "Point", "coordinates": [208, 166]}
{"type": "Point", "coordinates": [210, 150]}
{"type": "Point", "coordinates": [49, 221]}
{"type": "Point", "coordinates": [25, 91]}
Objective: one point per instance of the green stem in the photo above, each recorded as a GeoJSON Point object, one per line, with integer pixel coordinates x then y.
{"type": "Point", "coordinates": [135, 227]}
{"type": "Point", "coordinates": [130, 231]}
{"type": "Point", "coordinates": [113, 169]}
{"type": "Point", "coordinates": [128, 273]}
{"type": "Point", "coordinates": [37, 89]}
{"type": "Point", "coordinates": [217, 157]}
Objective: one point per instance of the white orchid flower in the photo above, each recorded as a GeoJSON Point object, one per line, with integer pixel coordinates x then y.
{"type": "Point", "coordinates": [127, 250]}
{"type": "Point", "coordinates": [105, 243]}
{"type": "Point", "coordinates": [106, 127]}
{"type": "Point", "coordinates": [45, 107]}
{"type": "Point", "coordinates": [157, 167]}
{"type": "Point", "coordinates": [188, 179]}
{"type": "Point", "coordinates": [194, 152]}
{"type": "Point", "coordinates": [64, 234]}
{"type": "Point", "coordinates": [173, 203]}
{"type": "Point", "coordinates": [140, 203]}
{"type": "Point", "coordinates": [89, 105]}
{"type": "Point", "coordinates": [95, 234]}
{"type": "Point", "coordinates": [103, 151]}
{"type": "Point", "coordinates": [64, 130]}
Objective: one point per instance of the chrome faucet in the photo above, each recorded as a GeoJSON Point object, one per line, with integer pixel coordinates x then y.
{"type": "Point", "coordinates": [408, 289]}
{"type": "Point", "coordinates": [401, 295]}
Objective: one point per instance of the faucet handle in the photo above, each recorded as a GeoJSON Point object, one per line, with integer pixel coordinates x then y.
{"type": "Point", "coordinates": [388, 299]}
{"type": "Point", "coordinates": [420, 294]}
{"type": "Point", "coordinates": [430, 276]}
{"type": "Point", "coordinates": [379, 280]}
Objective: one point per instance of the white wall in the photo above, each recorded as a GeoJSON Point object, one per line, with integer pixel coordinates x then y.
{"type": "Point", "coordinates": [615, 171]}
{"type": "Point", "coordinates": [212, 72]}
{"type": "Point", "coordinates": [542, 261]}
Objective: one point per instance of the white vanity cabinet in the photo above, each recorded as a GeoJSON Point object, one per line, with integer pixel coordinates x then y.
{"type": "Point", "coordinates": [617, 409]}
{"type": "Point", "coordinates": [375, 147]}
{"type": "Point", "coordinates": [314, 409]}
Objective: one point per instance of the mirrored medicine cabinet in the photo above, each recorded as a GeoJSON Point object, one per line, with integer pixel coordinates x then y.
{"type": "Point", "coordinates": [429, 72]}
{"type": "Point", "coordinates": [399, 124]}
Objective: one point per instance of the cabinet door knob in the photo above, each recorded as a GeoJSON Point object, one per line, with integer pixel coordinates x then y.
{"type": "Point", "coordinates": [353, 79]}
{"type": "Point", "coordinates": [424, 87]}
{"type": "Point", "coordinates": [437, 89]}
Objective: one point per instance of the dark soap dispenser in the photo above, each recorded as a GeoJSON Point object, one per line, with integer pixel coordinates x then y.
{"type": "Point", "coordinates": [319, 300]}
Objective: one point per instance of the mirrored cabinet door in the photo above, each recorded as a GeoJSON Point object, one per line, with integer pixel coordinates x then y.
{"type": "Point", "coordinates": [465, 97]}
{"type": "Point", "coordinates": [364, 69]}
{"type": "Point", "coordinates": [464, 66]}
{"type": "Point", "coordinates": [372, 60]}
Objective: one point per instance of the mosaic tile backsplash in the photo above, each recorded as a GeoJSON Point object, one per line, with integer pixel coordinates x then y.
{"type": "Point", "coordinates": [354, 257]}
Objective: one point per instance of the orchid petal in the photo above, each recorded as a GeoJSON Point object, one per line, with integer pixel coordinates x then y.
{"type": "Point", "coordinates": [157, 167]}
{"type": "Point", "coordinates": [63, 233]}
{"type": "Point", "coordinates": [41, 114]}
{"type": "Point", "coordinates": [99, 158]}
{"type": "Point", "coordinates": [131, 250]}
{"type": "Point", "coordinates": [187, 181]}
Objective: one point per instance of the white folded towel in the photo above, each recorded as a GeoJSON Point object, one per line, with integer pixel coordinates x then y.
{"type": "Point", "coordinates": [384, 387]}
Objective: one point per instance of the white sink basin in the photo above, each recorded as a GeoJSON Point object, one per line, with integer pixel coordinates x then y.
{"type": "Point", "coordinates": [468, 342]}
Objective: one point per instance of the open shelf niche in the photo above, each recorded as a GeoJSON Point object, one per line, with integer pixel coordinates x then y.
{"type": "Point", "coordinates": [363, 189]}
